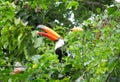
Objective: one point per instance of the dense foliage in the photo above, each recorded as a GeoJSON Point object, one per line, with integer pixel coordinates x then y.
{"type": "Point", "coordinates": [96, 49]}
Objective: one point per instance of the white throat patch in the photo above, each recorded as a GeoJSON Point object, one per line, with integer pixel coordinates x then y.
{"type": "Point", "coordinates": [59, 43]}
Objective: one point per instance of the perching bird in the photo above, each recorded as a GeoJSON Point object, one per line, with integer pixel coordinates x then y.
{"type": "Point", "coordinates": [60, 44]}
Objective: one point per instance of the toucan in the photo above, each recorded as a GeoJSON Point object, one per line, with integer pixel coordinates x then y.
{"type": "Point", "coordinates": [60, 44]}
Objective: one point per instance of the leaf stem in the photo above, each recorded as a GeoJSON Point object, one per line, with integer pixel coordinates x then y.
{"type": "Point", "coordinates": [109, 75]}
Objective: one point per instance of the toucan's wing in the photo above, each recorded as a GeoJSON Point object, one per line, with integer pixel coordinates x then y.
{"type": "Point", "coordinates": [49, 31]}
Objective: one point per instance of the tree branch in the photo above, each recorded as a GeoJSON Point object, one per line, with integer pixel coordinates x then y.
{"type": "Point", "coordinates": [109, 75]}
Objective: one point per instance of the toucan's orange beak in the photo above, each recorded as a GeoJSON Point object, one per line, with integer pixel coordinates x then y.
{"type": "Point", "coordinates": [53, 38]}
{"type": "Point", "coordinates": [52, 35]}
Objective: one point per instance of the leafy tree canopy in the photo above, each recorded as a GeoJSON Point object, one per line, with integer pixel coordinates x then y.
{"type": "Point", "coordinates": [96, 48]}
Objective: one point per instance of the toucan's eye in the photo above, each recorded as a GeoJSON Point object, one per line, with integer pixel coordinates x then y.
{"type": "Point", "coordinates": [33, 28]}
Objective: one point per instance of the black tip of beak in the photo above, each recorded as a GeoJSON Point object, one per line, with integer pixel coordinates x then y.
{"type": "Point", "coordinates": [40, 26]}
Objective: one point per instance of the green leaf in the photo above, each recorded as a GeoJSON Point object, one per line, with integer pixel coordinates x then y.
{"type": "Point", "coordinates": [20, 39]}
{"type": "Point", "coordinates": [37, 41]}
{"type": "Point", "coordinates": [43, 5]}
{"type": "Point", "coordinates": [26, 53]}
{"type": "Point", "coordinates": [112, 10]}
{"type": "Point", "coordinates": [17, 21]}
{"type": "Point", "coordinates": [98, 10]}
{"type": "Point", "coordinates": [73, 4]}
{"type": "Point", "coordinates": [112, 63]}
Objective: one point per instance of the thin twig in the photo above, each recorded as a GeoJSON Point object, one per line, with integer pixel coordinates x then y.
{"type": "Point", "coordinates": [109, 75]}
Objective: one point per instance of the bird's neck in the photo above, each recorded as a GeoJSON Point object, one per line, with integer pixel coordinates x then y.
{"type": "Point", "coordinates": [59, 43]}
